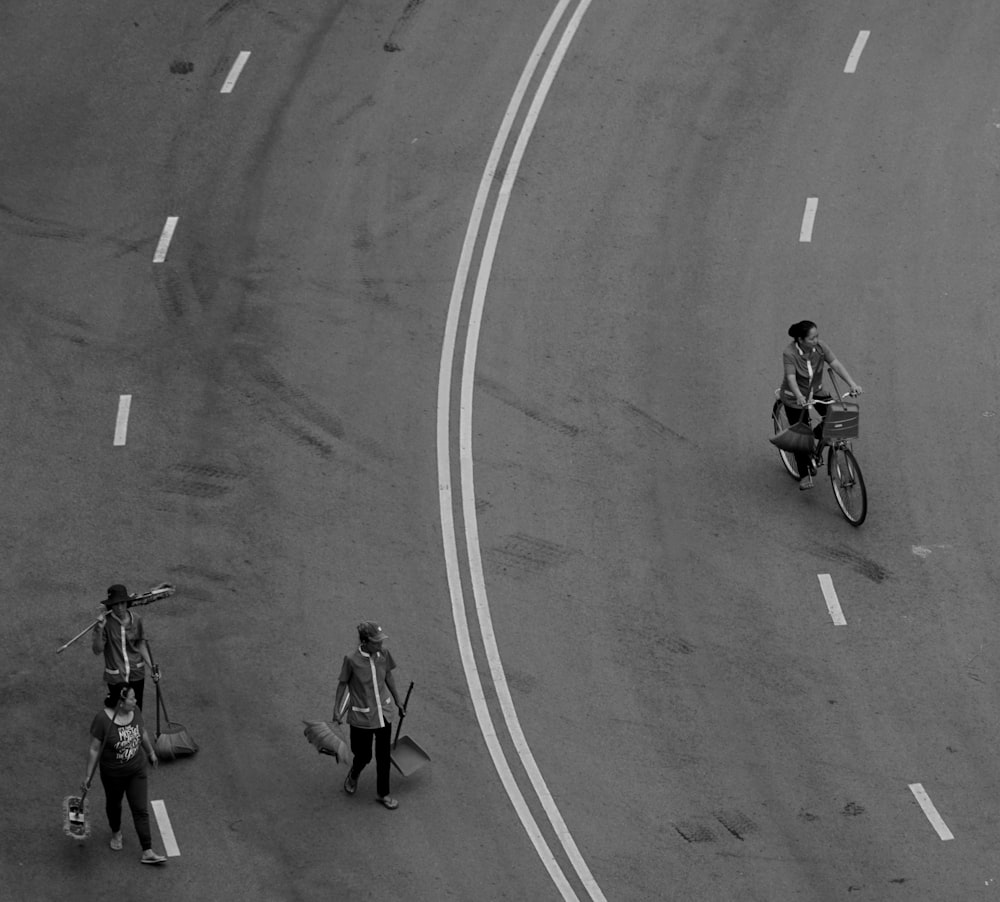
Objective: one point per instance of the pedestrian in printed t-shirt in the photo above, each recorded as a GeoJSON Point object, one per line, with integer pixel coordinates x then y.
{"type": "Point", "coordinates": [367, 694]}
{"type": "Point", "coordinates": [119, 634]}
{"type": "Point", "coordinates": [120, 746]}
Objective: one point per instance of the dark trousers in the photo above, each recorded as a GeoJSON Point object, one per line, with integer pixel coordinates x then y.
{"type": "Point", "coordinates": [135, 789]}
{"type": "Point", "coordinates": [795, 414]}
{"type": "Point", "coordinates": [361, 748]}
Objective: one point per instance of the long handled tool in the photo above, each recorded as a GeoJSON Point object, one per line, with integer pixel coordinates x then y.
{"type": "Point", "coordinates": [75, 823]}
{"type": "Point", "coordinates": [172, 740]}
{"type": "Point", "coordinates": [407, 757]}
{"type": "Point", "coordinates": [164, 590]}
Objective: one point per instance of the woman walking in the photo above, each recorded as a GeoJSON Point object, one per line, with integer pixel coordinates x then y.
{"type": "Point", "coordinates": [366, 692]}
{"type": "Point", "coordinates": [121, 747]}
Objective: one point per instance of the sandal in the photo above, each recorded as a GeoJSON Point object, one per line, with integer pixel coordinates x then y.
{"type": "Point", "coordinates": [350, 784]}
{"type": "Point", "coordinates": [116, 842]}
{"type": "Point", "coordinates": [388, 801]}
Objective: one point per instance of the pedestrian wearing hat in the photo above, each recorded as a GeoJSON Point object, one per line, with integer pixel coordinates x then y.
{"type": "Point", "coordinates": [119, 634]}
{"type": "Point", "coordinates": [367, 695]}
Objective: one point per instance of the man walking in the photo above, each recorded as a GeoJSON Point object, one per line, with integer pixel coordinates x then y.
{"type": "Point", "coordinates": [367, 694]}
{"type": "Point", "coordinates": [119, 634]}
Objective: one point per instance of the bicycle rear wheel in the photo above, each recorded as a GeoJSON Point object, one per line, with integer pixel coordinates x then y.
{"type": "Point", "coordinates": [779, 421]}
{"type": "Point", "coordinates": [848, 484]}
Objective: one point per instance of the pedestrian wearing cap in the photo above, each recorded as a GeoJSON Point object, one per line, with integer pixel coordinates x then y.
{"type": "Point", "coordinates": [367, 695]}
{"type": "Point", "coordinates": [119, 634]}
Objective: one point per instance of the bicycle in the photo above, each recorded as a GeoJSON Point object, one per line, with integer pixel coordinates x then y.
{"type": "Point", "coordinates": [845, 473]}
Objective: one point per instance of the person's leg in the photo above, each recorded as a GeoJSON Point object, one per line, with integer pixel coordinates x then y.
{"type": "Point", "coordinates": [795, 414]}
{"type": "Point", "coordinates": [361, 749]}
{"type": "Point", "coordinates": [137, 793]}
{"type": "Point", "coordinates": [383, 751]}
{"type": "Point", "coordinates": [114, 789]}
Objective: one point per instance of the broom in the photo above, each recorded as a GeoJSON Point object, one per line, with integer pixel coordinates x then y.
{"type": "Point", "coordinates": [75, 823]}
{"type": "Point", "coordinates": [173, 741]}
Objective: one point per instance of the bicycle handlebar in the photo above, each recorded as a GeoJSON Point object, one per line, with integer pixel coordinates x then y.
{"type": "Point", "coordinates": [851, 394]}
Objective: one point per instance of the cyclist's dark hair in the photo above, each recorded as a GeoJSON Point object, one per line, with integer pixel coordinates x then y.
{"type": "Point", "coordinates": [800, 330]}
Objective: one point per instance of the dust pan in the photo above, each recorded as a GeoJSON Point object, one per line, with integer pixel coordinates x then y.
{"type": "Point", "coordinates": [327, 740]}
{"type": "Point", "coordinates": [172, 739]}
{"type": "Point", "coordinates": [406, 756]}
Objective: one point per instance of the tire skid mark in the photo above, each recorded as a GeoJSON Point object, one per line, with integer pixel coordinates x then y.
{"type": "Point", "coordinates": [298, 415]}
{"type": "Point", "coordinates": [391, 44]}
{"type": "Point", "coordinates": [364, 103]}
{"type": "Point", "coordinates": [693, 832]}
{"type": "Point", "coordinates": [528, 553]}
{"type": "Point", "coordinates": [223, 11]}
{"type": "Point", "coordinates": [208, 481]}
{"type": "Point", "coordinates": [649, 423]}
{"type": "Point", "coordinates": [857, 561]}
{"type": "Point", "coordinates": [506, 396]}
{"type": "Point", "coordinates": [53, 230]}
{"type": "Point", "coordinates": [736, 823]}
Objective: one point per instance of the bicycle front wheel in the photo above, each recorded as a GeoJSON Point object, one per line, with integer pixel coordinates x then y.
{"type": "Point", "coordinates": [848, 484]}
{"type": "Point", "coordinates": [779, 421]}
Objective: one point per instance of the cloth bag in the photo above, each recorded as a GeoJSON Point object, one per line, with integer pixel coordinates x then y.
{"type": "Point", "coordinates": [796, 439]}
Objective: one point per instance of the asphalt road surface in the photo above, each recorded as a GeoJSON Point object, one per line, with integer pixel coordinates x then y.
{"type": "Point", "coordinates": [514, 407]}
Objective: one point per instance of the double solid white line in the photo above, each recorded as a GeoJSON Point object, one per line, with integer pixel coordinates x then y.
{"type": "Point", "coordinates": [467, 487]}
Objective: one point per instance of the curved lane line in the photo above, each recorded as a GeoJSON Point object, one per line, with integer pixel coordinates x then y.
{"type": "Point", "coordinates": [468, 482]}
{"type": "Point", "coordinates": [448, 537]}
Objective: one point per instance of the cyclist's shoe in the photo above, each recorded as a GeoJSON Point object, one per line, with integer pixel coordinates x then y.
{"type": "Point", "coordinates": [806, 482]}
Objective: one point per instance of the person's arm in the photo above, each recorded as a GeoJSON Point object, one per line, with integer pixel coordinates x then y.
{"type": "Point", "coordinates": [841, 371]}
{"type": "Point", "coordinates": [793, 385]}
{"type": "Point", "coordinates": [98, 637]}
{"type": "Point", "coordinates": [338, 701]}
{"type": "Point", "coordinates": [147, 744]}
{"type": "Point", "coordinates": [143, 648]}
{"type": "Point", "coordinates": [92, 752]}
{"type": "Point", "coordinates": [390, 684]}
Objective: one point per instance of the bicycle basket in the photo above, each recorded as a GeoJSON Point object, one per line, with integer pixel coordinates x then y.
{"type": "Point", "coordinates": [841, 421]}
{"type": "Point", "coordinates": [797, 439]}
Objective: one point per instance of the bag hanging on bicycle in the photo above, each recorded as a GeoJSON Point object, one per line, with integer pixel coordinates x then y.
{"type": "Point", "coordinates": [842, 420]}
{"type": "Point", "coordinates": [796, 439]}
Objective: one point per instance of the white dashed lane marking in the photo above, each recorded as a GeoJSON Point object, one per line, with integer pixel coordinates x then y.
{"type": "Point", "coordinates": [937, 822]}
{"type": "Point", "coordinates": [859, 45]}
{"type": "Point", "coordinates": [234, 73]}
{"type": "Point", "coordinates": [121, 421]}
{"type": "Point", "coordinates": [808, 218]}
{"type": "Point", "coordinates": [165, 238]}
{"type": "Point", "coordinates": [832, 602]}
{"type": "Point", "coordinates": [166, 830]}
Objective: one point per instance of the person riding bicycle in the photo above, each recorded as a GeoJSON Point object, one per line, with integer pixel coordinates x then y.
{"type": "Point", "coordinates": [804, 360]}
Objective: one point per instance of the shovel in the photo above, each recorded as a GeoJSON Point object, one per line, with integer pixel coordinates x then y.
{"type": "Point", "coordinates": [406, 756]}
